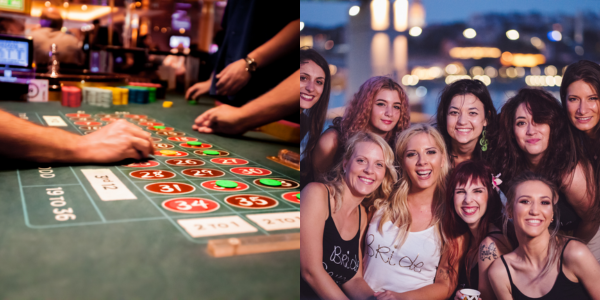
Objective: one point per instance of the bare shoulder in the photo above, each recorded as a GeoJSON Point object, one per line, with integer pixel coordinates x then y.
{"type": "Point", "coordinates": [329, 139]}
{"type": "Point", "coordinates": [497, 271]}
{"type": "Point", "coordinates": [575, 253]}
{"type": "Point", "coordinates": [314, 196]}
{"type": "Point", "coordinates": [488, 250]}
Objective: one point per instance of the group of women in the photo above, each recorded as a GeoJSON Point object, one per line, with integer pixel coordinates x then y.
{"type": "Point", "coordinates": [503, 203]}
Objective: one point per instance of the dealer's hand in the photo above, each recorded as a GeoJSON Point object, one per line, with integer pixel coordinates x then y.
{"type": "Point", "coordinates": [233, 78]}
{"type": "Point", "coordinates": [222, 119]}
{"type": "Point", "coordinates": [198, 90]}
{"type": "Point", "coordinates": [115, 142]}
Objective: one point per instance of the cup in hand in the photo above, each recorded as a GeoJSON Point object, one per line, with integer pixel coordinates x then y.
{"type": "Point", "coordinates": [470, 294]}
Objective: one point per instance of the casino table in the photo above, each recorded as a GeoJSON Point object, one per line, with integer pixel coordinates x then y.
{"type": "Point", "coordinates": [60, 238]}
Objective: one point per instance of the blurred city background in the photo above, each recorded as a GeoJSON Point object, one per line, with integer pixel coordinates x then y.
{"type": "Point", "coordinates": [427, 44]}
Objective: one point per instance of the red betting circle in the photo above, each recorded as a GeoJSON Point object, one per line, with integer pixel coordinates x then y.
{"type": "Point", "coordinates": [251, 171]}
{"type": "Point", "coordinates": [221, 153]}
{"type": "Point", "coordinates": [286, 184]}
{"type": "Point", "coordinates": [249, 201]}
{"type": "Point", "coordinates": [147, 164]}
{"type": "Point", "coordinates": [185, 162]}
{"type": "Point", "coordinates": [146, 120]}
{"type": "Point", "coordinates": [169, 188]}
{"type": "Point", "coordinates": [229, 161]}
{"type": "Point", "coordinates": [178, 154]}
{"type": "Point", "coordinates": [163, 146]}
{"type": "Point", "coordinates": [151, 124]}
{"type": "Point", "coordinates": [291, 197]}
{"type": "Point", "coordinates": [211, 185]}
{"type": "Point", "coordinates": [204, 145]}
{"type": "Point", "coordinates": [154, 129]}
{"type": "Point", "coordinates": [84, 123]}
{"type": "Point", "coordinates": [181, 139]}
{"type": "Point", "coordinates": [189, 205]}
{"type": "Point", "coordinates": [172, 133]}
{"type": "Point", "coordinates": [82, 119]}
{"type": "Point", "coordinates": [152, 174]}
{"type": "Point", "coordinates": [136, 116]}
{"type": "Point", "coordinates": [78, 115]}
{"type": "Point", "coordinates": [90, 128]}
{"type": "Point", "coordinates": [203, 173]}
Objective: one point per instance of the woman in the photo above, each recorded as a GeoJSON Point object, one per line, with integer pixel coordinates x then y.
{"type": "Point", "coordinates": [472, 225]}
{"type": "Point", "coordinates": [380, 107]}
{"type": "Point", "coordinates": [403, 243]}
{"type": "Point", "coordinates": [315, 85]}
{"type": "Point", "coordinates": [333, 221]}
{"type": "Point", "coordinates": [545, 265]}
{"type": "Point", "coordinates": [534, 135]}
{"type": "Point", "coordinates": [466, 117]}
{"type": "Point", "coordinates": [579, 98]}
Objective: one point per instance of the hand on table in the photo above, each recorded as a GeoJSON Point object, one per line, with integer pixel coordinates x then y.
{"type": "Point", "coordinates": [198, 90]}
{"type": "Point", "coordinates": [221, 119]}
{"type": "Point", "coordinates": [387, 295]}
{"type": "Point", "coordinates": [233, 78]}
{"type": "Point", "coordinates": [115, 142]}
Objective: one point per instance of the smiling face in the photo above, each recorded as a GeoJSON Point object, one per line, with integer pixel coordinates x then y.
{"type": "Point", "coordinates": [532, 211]}
{"type": "Point", "coordinates": [465, 119]}
{"type": "Point", "coordinates": [532, 138]}
{"type": "Point", "coordinates": [582, 106]}
{"type": "Point", "coordinates": [470, 202]}
{"type": "Point", "coordinates": [422, 161]}
{"type": "Point", "coordinates": [365, 169]}
{"type": "Point", "coordinates": [386, 112]}
{"type": "Point", "coordinates": [312, 81]}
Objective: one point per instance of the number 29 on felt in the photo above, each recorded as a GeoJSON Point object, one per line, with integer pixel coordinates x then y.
{"type": "Point", "coordinates": [60, 214]}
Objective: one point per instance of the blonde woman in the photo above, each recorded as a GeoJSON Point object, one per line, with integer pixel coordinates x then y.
{"type": "Point", "coordinates": [333, 221]}
{"type": "Point", "coordinates": [403, 243]}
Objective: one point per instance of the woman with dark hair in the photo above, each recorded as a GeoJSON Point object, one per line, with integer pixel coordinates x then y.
{"type": "Point", "coordinates": [466, 117]}
{"type": "Point", "coordinates": [315, 86]}
{"type": "Point", "coordinates": [545, 265]}
{"type": "Point", "coordinates": [472, 225]}
{"type": "Point", "coordinates": [380, 106]}
{"type": "Point", "coordinates": [534, 135]}
{"type": "Point", "coordinates": [579, 98]}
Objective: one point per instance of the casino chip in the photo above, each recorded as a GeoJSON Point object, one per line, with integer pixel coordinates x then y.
{"type": "Point", "coordinates": [270, 182]}
{"type": "Point", "coordinates": [193, 143]}
{"type": "Point", "coordinates": [226, 183]}
{"type": "Point", "coordinates": [159, 127]}
{"type": "Point", "coordinates": [210, 152]}
{"type": "Point", "coordinates": [298, 195]}
{"type": "Point", "coordinates": [168, 152]}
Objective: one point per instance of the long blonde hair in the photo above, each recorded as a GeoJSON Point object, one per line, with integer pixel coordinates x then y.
{"type": "Point", "coordinates": [396, 207]}
{"type": "Point", "coordinates": [334, 179]}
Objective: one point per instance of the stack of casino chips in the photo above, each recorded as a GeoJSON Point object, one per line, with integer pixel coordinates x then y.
{"type": "Point", "coordinates": [140, 95]}
{"type": "Point", "coordinates": [156, 90]}
{"type": "Point", "coordinates": [97, 97]}
{"type": "Point", "coordinates": [71, 96]}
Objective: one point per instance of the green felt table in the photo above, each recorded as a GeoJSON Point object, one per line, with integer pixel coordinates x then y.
{"type": "Point", "coordinates": [136, 249]}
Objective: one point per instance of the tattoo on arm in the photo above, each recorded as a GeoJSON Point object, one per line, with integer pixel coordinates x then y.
{"type": "Point", "coordinates": [490, 252]}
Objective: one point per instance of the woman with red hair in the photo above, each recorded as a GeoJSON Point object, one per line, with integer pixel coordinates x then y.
{"type": "Point", "coordinates": [380, 106]}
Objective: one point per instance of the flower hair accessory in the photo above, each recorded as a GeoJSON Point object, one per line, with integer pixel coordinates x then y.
{"type": "Point", "coordinates": [496, 182]}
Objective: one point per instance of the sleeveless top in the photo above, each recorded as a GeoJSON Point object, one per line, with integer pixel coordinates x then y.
{"type": "Point", "coordinates": [569, 220]}
{"type": "Point", "coordinates": [470, 281]}
{"type": "Point", "coordinates": [340, 257]}
{"type": "Point", "coordinates": [407, 268]}
{"type": "Point", "coordinates": [563, 288]}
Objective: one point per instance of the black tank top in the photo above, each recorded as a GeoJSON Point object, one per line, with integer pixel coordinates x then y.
{"type": "Point", "coordinates": [340, 257]}
{"type": "Point", "coordinates": [563, 287]}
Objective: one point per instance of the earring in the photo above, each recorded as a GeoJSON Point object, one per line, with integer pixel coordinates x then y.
{"type": "Point", "coordinates": [483, 141]}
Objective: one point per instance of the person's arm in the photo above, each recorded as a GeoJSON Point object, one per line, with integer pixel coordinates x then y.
{"type": "Point", "coordinates": [198, 89]}
{"type": "Point", "coordinates": [580, 261]}
{"type": "Point", "coordinates": [114, 142]}
{"type": "Point", "coordinates": [582, 201]}
{"type": "Point", "coordinates": [281, 101]}
{"type": "Point", "coordinates": [234, 76]}
{"type": "Point", "coordinates": [324, 152]}
{"type": "Point", "coordinates": [357, 287]}
{"type": "Point", "coordinates": [441, 288]}
{"type": "Point", "coordinates": [313, 214]}
{"type": "Point", "coordinates": [489, 251]}
{"type": "Point", "coordinates": [499, 281]}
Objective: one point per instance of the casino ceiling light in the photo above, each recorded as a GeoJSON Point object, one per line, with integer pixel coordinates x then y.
{"type": "Point", "coordinates": [554, 36]}
{"type": "Point", "coordinates": [301, 26]}
{"type": "Point", "coordinates": [354, 10]}
{"type": "Point", "coordinates": [415, 31]}
{"type": "Point", "coordinates": [512, 35]}
{"type": "Point", "coordinates": [469, 33]}
{"type": "Point", "coordinates": [474, 52]}
{"type": "Point", "coordinates": [80, 13]}
{"type": "Point", "coordinates": [521, 59]}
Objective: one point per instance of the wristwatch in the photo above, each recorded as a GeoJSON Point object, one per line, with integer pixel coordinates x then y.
{"type": "Point", "coordinates": [250, 64]}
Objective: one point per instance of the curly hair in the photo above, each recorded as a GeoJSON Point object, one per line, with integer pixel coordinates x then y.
{"type": "Point", "coordinates": [396, 206]}
{"type": "Point", "coordinates": [358, 113]}
{"type": "Point", "coordinates": [465, 87]}
{"type": "Point", "coordinates": [312, 119]}
{"type": "Point", "coordinates": [334, 179]}
{"type": "Point", "coordinates": [453, 226]}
